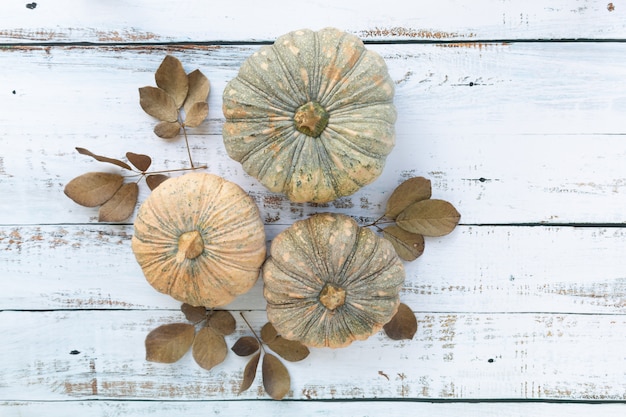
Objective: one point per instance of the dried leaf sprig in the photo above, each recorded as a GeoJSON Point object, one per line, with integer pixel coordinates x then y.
{"type": "Point", "coordinates": [413, 214]}
{"type": "Point", "coordinates": [204, 336]}
{"type": "Point", "coordinates": [276, 379]}
{"type": "Point", "coordinates": [179, 100]}
{"type": "Point", "coordinates": [116, 198]}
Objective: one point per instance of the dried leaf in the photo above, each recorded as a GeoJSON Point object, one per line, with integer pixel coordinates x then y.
{"type": "Point", "coordinates": [268, 333]}
{"type": "Point", "coordinates": [290, 350]}
{"type": "Point", "coordinates": [429, 218]}
{"type": "Point", "coordinates": [209, 348]}
{"type": "Point", "coordinates": [245, 346]}
{"type": "Point", "coordinates": [199, 87]}
{"type": "Point", "coordinates": [409, 246]}
{"type": "Point", "coordinates": [403, 324]}
{"type": "Point", "coordinates": [169, 342]}
{"type": "Point", "coordinates": [121, 205]}
{"type": "Point", "coordinates": [140, 161]}
{"type": "Point", "coordinates": [276, 380]}
{"type": "Point", "coordinates": [167, 130]}
{"type": "Point", "coordinates": [171, 77]}
{"type": "Point", "coordinates": [197, 113]}
{"type": "Point", "coordinates": [157, 103]}
{"type": "Point", "coordinates": [155, 180]}
{"type": "Point", "coordinates": [100, 158]}
{"type": "Point", "coordinates": [249, 372]}
{"type": "Point", "coordinates": [192, 313]}
{"type": "Point", "coordinates": [410, 191]}
{"type": "Point", "coordinates": [222, 322]}
{"type": "Point", "coordinates": [93, 188]}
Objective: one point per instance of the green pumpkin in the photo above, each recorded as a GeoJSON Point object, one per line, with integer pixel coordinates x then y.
{"type": "Point", "coordinates": [311, 116]}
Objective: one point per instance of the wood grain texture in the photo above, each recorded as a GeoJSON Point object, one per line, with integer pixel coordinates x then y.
{"type": "Point", "coordinates": [452, 356]}
{"type": "Point", "coordinates": [200, 21]}
{"type": "Point", "coordinates": [475, 269]}
{"type": "Point", "coordinates": [489, 126]}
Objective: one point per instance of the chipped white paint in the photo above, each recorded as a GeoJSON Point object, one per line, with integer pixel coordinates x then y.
{"type": "Point", "coordinates": [524, 138]}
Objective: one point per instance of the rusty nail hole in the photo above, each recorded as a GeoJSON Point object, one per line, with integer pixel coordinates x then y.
{"type": "Point", "coordinates": [74, 352]}
{"type": "Point", "coordinates": [14, 92]}
{"type": "Point", "coordinates": [471, 84]}
{"type": "Point", "coordinates": [490, 361]}
{"type": "Point", "coordinates": [31, 5]}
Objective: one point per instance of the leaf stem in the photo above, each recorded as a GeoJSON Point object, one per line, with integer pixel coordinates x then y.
{"type": "Point", "coordinates": [187, 143]}
{"type": "Point", "coordinates": [252, 330]}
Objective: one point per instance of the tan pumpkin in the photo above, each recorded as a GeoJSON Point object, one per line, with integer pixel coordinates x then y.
{"type": "Point", "coordinates": [329, 282]}
{"type": "Point", "coordinates": [200, 239]}
{"type": "Point", "coordinates": [311, 116]}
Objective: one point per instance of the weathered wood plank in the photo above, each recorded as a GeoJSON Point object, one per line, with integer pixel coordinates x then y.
{"type": "Point", "coordinates": [305, 409]}
{"type": "Point", "coordinates": [198, 21]}
{"type": "Point", "coordinates": [64, 355]}
{"type": "Point", "coordinates": [494, 127]}
{"type": "Point", "coordinates": [475, 269]}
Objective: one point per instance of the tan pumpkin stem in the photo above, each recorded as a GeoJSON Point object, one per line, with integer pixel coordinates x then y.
{"type": "Point", "coordinates": [190, 245]}
{"type": "Point", "coordinates": [311, 119]}
{"type": "Point", "coordinates": [332, 297]}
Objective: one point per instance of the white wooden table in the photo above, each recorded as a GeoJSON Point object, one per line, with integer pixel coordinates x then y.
{"type": "Point", "coordinates": [516, 110]}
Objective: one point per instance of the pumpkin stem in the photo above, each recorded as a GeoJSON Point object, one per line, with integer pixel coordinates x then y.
{"type": "Point", "coordinates": [190, 245]}
{"type": "Point", "coordinates": [311, 119]}
{"type": "Point", "coordinates": [332, 297]}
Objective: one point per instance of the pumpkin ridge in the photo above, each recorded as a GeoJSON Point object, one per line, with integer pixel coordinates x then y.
{"type": "Point", "coordinates": [272, 99]}
{"type": "Point", "coordinates": [287, 143]}
{"type": "Point", "coordinates": [342, 137]}
{"type": "Point", "coordinates": [299, 95]}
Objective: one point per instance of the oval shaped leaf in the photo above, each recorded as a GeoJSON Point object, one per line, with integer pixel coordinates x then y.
{"type": "Point", "coordinates": [93, 188]}
{"type": "Point", "coordinates": [155, 180]}
{"type": "Point", "coordinates": [209, 348]}
{"type": "Point", "coordinates": [101, 158]}
{"type": "Point", "coordinates": [171, 77]}
{"type": "Point", "coordinates": [268, 333]}
{"type": "Point", "coordinates": [197, 113]}
{"type": "Point", "coordinates": [169, 342]}
{"type": "Point", "coordinates": [249, 373]}
{"type": "Point", "coordinates": [290, 350]}
{"type": "Point", "coordinates": [245, 346]}
{"type": "Point", "coordinates": [140, 161]}
{"type": "Point", "coordinates": [199, 87]}
{"type": "Point", "coordinates": [192, 313]}
{"type": "Point", "coordinates": [409, 246]}
{"type": "Point", "coordinates": [429, 218]}
{"type": "Point", "coordinates": [157, 103]}
{"type": "Point", "coordinates": [403, 324]}
{"type": "Point", "coordinates": [276, 379]}
{"type": "Point", "coordinates": [121, 205]}
{"type": "Point", "coordinates": [222, 322]}
{"type": "Point", "coordinates": [410, 191]}
{"type": "Point", "coordinates": [167, 130]}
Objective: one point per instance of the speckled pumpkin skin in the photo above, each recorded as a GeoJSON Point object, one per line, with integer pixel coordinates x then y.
{"type": "Point", "coordinates": [331, 249]}
{"type": "Point", "coordinates": [232, 241]}
{"type": "Point", "coordinates": [351, 83]}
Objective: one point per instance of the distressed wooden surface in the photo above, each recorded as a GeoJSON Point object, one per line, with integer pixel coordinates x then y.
{"type": "Point", "coordinates": [515, 111]}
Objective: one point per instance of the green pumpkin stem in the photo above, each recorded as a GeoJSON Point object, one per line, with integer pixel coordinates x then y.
{"type": "Point", "coordinates": [332, 297]}
{"type": "Point", "coordinates": [311, 119]}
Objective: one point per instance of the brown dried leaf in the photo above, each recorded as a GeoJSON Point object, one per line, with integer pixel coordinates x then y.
{"type": "Point", "coordinates": [197, 113]}
{"type": "Point", "coordinates": [192, 313]}
{"type": "Point", "coordinates": [209, 348]}
{"type": "Point", "coordinates": [245, 346]}
{"type": "Point", "coordinates": [429, 218]}
{"type": "Point", "coordinates": [169, 342]}
{"type": "Point", "coordinates": [155, 180]}
{"type": "Point", "coordinates": [403, 324]}
{"type": "Point", "coordinates": [290, 350]}
{"type": "Point", "coordinates": [410, 191]}
{"type": "Point", "coordinates": [100, 158]}
{"type": "Point", "coordinates": [157, 103]}
{"type": "Point", "coordinates": [167, 130]}
{"type": "Point", "coordinates": [249, 372]}
{"type": "Point", "coordinates": [93, 188]}
{"type": "Point", "coordinates": [268, 333]}
{"type": "Point", "coordinates": [199, 88]}
{"type": "Point", "coordinates": [409, 246]}
{"type": "Point", "coordinates": [222, 322]}
{"type": "Point", "coordinates": [121, 205]}
{"type": "Point", "coordinates": [171, 77]}
{"type": "Point", "coordinates": [276, 379]}
{"type": "Point", "coordinates": [140, 161]}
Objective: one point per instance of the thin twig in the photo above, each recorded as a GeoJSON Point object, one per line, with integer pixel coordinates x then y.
{"type": "Point", "coordinates": [252, 330]}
